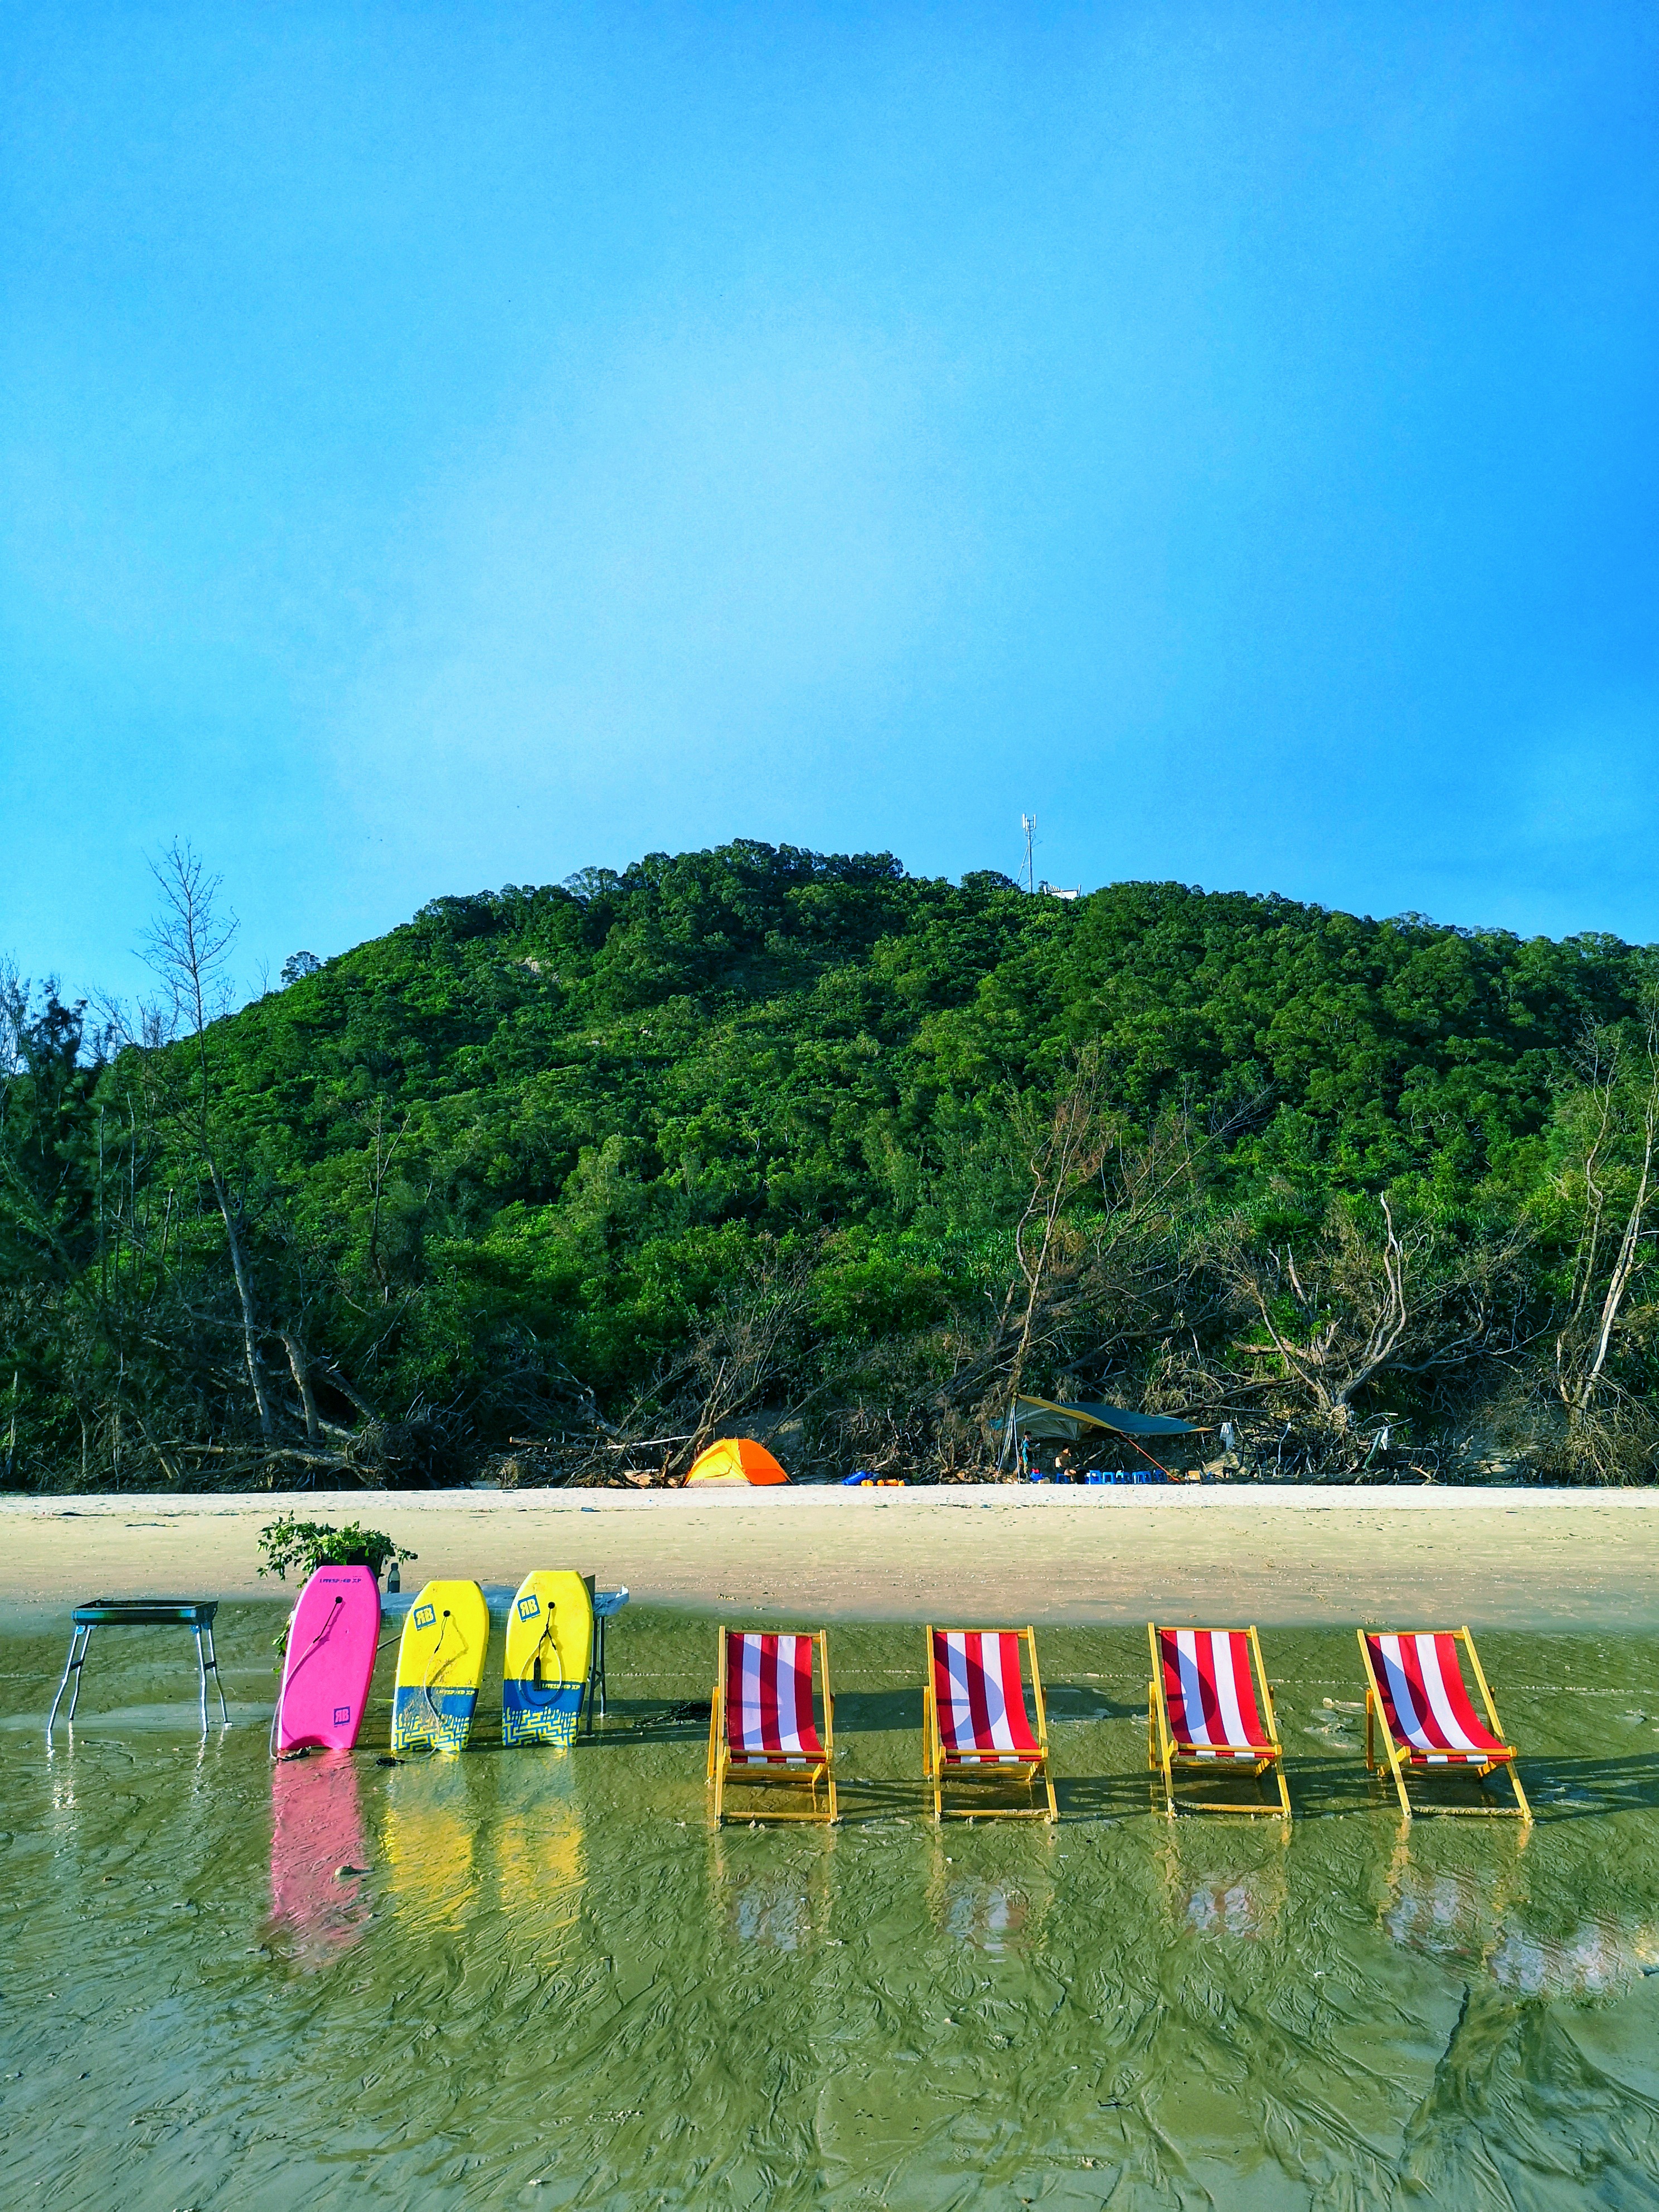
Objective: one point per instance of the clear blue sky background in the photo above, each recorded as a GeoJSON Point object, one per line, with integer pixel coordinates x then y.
{"type": "Point", "coordinates": [446, 446]}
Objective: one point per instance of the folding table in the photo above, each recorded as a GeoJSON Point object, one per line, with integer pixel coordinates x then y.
{"type": "Point", "coordinates": [195, 1614]}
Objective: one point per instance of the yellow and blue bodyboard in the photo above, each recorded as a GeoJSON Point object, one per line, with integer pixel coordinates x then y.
{"type": "Point", "coordinates": [440, 1659]}
{"type": "Point", "coordinates": [550, 1650]}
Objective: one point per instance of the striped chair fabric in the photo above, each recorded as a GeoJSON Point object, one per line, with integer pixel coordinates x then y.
{"type": "Point", "coordinates": [769, 1701]}
{"type": "Point", "coordinates": [1211, 1696]}
{"type": "Point", "coordinates": [980, 1699]}
{"type": "Point", "coordinates": [1425, 1705]}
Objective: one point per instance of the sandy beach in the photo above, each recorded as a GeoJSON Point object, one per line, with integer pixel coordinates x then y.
{"type": "Point", "coordinates": [1492, 1558]}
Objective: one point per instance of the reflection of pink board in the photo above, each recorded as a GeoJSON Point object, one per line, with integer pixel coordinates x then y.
{"type": "Point", "coordinates": [331, 1657]}
{"type": "Point", "coordinates": [318, 1854]}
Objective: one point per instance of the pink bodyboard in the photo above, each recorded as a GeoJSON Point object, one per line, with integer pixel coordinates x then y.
{"type": "Point", "coordinates": [330, 1660]}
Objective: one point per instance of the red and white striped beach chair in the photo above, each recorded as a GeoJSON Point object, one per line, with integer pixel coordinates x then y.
{"type": "Point", "coordinates": [1415, 1687]}
{"type": "Point", "coordinates": [762, 1729]}
{"type": "Point", "coordinates": [974, 1725]}
{"type": "Point", "coordinates": [1202, 1709]}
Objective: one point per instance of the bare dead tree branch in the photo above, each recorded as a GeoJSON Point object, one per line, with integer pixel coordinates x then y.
{"type": "Point", "coordinates": [186, 947]}
{"type": "Point", "coordinates": [1623, 1143]}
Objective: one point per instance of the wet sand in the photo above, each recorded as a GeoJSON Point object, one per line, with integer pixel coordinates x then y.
{"type": "Point", "coordinates": [534, 1980]}
{"type": "Point", "coordinates": [1506, 1558]}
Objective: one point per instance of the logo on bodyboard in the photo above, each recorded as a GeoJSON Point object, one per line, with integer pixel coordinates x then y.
{"type": "Point", "coordinates": [529, 1608]}
{"type": "Point", "coordinates": [424, 1616]}
{"type": "Point", "coordinates": [341, 1714]}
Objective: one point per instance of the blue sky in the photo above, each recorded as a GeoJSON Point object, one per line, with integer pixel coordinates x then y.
{"type": "Point", "coordinates": [450, 447]}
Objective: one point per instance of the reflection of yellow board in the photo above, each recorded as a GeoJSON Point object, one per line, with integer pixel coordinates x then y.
{"type": "Point", "coordinates": [549, 1647]}
{"type": "Point", "coordinates": [430, 1832]}
{"type": "Point", "coordinates": [439, 1664]}
{"type": "Point", "coordinates": [541, 1856]}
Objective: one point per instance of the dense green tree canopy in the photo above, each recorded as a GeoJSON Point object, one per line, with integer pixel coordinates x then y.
{"type": "Point", "coordinates": [505, 1169]}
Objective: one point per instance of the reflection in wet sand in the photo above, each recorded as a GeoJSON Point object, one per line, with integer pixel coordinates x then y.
{"type": "Point", "coordinates": [431, 1827]}
{"type": "Point", "coordinates": [998, 1914]}
{"type": "Point", "coordinates": [1598, 1956]}
{"type": "Point", "coordinates": [776, 1915]}
{"type": "Point", "coordinates": [1225, 1899]}
{"type": "Point", "coordinates": [541, 1855]}
{"type": "Point", "coordinates": [1442, 1915]}
{"type": "Point", "coordinates": [61, 1781]}
{"type": "Point", "coordinates": [318, 1855]}
{"type": "Point", "coordinates": [989, 1915]}
{"type": "Point", "coordinates": [1463, 1915]}
{"type": "Point", "coordinates": [566, 1981]}
{"type": "Point", "coordinates": [772, 1911]}
{"type": "Point", "coordinates": [766, 1905]}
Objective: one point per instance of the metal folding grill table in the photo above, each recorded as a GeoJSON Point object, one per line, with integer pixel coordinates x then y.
{"type": "Point", "coordinates": [191, 1613]}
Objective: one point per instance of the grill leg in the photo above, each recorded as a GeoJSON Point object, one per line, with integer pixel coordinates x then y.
{"type": "Point", "coordinates": [595, 1674]}
{"type": "Point", "coordinates": [212, 1668]}
{"type": "Point", "coordinates": [78, 1638]}
{"type": "Point", "coordinates": [80, 1673]}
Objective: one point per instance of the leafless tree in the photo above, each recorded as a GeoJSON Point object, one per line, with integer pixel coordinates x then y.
{"type": "Point", "coordinates": [14, 1015]}
{"type": "Point", "coordinates": [1357, 1304]}
{"type": "Point", "coordinates": [386, 1144]}
{"type": "Point", "coordinates": [741, 1351]}
{"type": "Point", "coordinates": [187, 948]}
{"type": "Point", "coordinates": [1345, 1324]}
{"type": "Point", "coordinates": [1063, 1151]}
{"type": "Point", "coordinates": [1611, 1187]}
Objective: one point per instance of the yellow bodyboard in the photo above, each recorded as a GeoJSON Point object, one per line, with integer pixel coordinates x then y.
{"type": "Point", "coordinates": [549, 1648]}
{"type": "Point", "coordinates": [440, 1660]}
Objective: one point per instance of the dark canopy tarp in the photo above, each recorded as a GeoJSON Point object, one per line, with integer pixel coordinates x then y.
{"type": "Point", "coordinates": [1043, 1418]}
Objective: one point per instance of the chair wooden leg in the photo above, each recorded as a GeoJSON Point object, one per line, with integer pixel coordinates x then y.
{"type": "Point", "coordinates": [932, 1763]}
{"type": "Point", "coordinates": [1520, 1793]}
{"type": "Point", "coordinates": [1399, 1779]}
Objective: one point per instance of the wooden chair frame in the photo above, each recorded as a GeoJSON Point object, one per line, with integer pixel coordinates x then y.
{"type": "Point", "coordinates": [760, 1771]}
{"type": "Point", "coordinates": [1164, 1755]}
{"type": "Point", "coordinates": [939, 1765]}
{"type": "Point", "coordinates": [1400, 1761]}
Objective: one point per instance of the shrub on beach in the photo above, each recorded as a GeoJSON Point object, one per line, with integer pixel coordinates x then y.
{"type": "Point", "coordinates": [305, 1545]}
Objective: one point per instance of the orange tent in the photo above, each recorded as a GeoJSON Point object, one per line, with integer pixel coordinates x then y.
{"type": "Point", "coordinates": [736, 1459]}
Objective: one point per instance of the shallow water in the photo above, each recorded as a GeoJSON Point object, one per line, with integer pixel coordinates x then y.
{"type": "Point", "coordinates": [535, 1978]}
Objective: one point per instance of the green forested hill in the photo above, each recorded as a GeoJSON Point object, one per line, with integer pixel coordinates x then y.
{"type": "Point", "coordinates": [754, 1132]}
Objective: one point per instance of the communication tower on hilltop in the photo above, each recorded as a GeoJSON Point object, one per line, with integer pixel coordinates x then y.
{"type": "Point", "coordinates": [1027, 824]}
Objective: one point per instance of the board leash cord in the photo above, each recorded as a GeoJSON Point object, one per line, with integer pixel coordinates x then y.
{"type": "Point", "coordinates": [431, 1674]}
{"type": "Point", "coordinates": [536, 1675]}
{"type": "Point", "coordinates": [433, 1670]}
